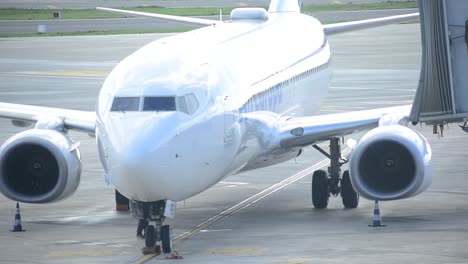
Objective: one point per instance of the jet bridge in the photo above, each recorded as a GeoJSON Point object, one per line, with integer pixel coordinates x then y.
{"type": "Point", "coordinates": [442, 94]}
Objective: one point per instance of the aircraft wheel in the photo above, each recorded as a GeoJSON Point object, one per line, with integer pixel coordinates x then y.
{"type": "Point", "coordinates": [150, 236]}
{"type": "Point", "coordinates": [166, 238]}
{"type": "Point", "coordinates": [348, 194]}
{"type": "Point", "coordinates": [320, 192]}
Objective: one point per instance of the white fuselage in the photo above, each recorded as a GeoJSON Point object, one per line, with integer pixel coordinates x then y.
{"type": "Point", "coordinates": [246, 77]}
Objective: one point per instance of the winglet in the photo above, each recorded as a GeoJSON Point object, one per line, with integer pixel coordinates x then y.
{"type": "Point", "coordinates": [188, 20]}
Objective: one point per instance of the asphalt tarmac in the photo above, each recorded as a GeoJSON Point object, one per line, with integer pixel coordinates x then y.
{"type": "Point", "coordinates": [373, 68]}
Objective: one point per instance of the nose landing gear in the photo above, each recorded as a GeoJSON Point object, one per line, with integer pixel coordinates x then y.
{"type": "Point", "coordinates": [154, 213]}
{"type": "Point", "coordinates": [329, 183]}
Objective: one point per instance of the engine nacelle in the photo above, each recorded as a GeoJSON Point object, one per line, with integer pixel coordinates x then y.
{"type": "Point", "coordinates": [39, 166]}
{"type": "Point", "coordinates": [391, 162]}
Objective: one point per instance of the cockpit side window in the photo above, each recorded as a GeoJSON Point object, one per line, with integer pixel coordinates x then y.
{"type": "Point", "coordinates": [126, 104]}
{"type": "Point", "coordinates": [192, 102]}
{"type": "Point", "coordinates": [182, 105]}
{"type": "Point", "coordinates": [187, 104]}
{"type": "Point", "coordinates": [159, 104]}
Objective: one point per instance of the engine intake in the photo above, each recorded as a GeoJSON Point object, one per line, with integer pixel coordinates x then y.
{"type": "Point", "coordinates": [391, 162]}
{"type": "Point", "coordinates": [39, 166]}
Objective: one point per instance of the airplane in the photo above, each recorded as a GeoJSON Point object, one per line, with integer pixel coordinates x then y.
{"type": "Point", "coordinates": [184, 112]}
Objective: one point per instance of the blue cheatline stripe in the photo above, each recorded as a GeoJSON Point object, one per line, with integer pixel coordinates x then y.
{"type": "Point", "coordinates": [271, 98]}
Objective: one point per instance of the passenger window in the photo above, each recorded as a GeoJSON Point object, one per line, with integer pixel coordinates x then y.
{"type": "Point", "coordinates": [159, 104]}
{"type": "Point", "coordinates": [126, 104]}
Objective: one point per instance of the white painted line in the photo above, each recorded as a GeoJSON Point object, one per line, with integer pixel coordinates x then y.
{"type": "Point", "coordinates": [225, 184]}
{"type": "Point", "coordinates": [214, 230]}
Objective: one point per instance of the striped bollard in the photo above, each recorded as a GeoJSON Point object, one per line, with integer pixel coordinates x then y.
{"type": "Point", "coordinates": [17, 225]}
{"type": "Point", "coordinates": [377, 222]}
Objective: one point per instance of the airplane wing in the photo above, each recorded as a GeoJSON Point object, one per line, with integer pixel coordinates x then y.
{"type": "Point", "coordinates": [329, 29]}
{"type": "Point", "coordinates": [368, 23]}
{"type": "Point", "coordinates": [188, 20]}
{"type": "Point", "coordinates": [23, 115]}
{"type": "Point", "coordinates": [303, 131]}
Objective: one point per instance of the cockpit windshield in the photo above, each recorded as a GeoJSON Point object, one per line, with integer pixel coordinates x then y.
{"type": "Point", "coordinates": [159, 104]}
{"type": "Point", "coordinates": [187, 104]}
{"type": "Point", "coordinates": [126, 104]}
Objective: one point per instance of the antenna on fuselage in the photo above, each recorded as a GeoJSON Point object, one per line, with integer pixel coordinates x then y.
{"type": "Point", "coordinates": [220, 15]}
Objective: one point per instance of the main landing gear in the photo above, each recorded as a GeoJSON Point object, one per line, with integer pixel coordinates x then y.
{"type": "Point", "coordinates": [329, 183]}
{"type": "Point", "coordinates": [155, 232]}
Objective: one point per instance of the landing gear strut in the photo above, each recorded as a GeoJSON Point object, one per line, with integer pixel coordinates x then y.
{"type": "Point", "coordinates": [155, 232]}
{"type": "Point", "coordinates": [329, 183]}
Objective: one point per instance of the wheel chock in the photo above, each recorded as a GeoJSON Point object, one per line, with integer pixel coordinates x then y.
{"type": "Point", "coordinates": [174, 255]}
{"type": "Point", "coordinates": [152, 250]}
{"type": "Point", "coordinates": [17, 225]}
{"type": "Point", "coordinates": [121, 207]}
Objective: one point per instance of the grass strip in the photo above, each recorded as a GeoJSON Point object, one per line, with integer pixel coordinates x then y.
{"type": "Point", "coordinates": [47, 14]}
{"type": "Point", "coordinates": [360, 6]}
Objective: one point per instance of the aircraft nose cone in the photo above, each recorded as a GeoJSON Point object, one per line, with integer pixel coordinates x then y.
{"type": "Point", "coordinates": [134, 155]}
{"type": "Point", "coordinates": [139, 159]}
{"type": "Point", "coordinates": [142, 138]}
{"type": "Point", "coordinates": [140, 170]}
{"type": "Point", "coordinates": [145, 152]}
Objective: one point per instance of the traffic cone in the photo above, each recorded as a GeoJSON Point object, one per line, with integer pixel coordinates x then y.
{"type": "Point", "coordinates": [377, 222]}
{"type": "Point", "coordinates": [17, 225]}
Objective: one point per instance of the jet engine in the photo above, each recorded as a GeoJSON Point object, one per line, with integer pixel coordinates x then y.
{"type": "Point", "coordinates": [391, 162]}
{"type": "Point", "coordinates": [39, 166]}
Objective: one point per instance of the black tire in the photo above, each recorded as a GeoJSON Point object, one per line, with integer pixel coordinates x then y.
{"type": "Point", "coordinates": [150, 236]}
{"type": "Point", "coordinates": [348, 194]}
{"type": "Point", "coordinates": [166, 238]}
{"type": "Point", "coordinates": [320, 192]}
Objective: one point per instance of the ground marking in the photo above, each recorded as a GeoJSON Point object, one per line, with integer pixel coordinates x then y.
{"type": "Point", "coordinates": [245, 203]}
